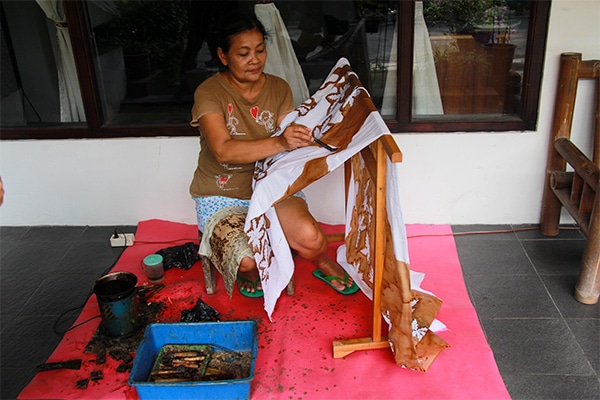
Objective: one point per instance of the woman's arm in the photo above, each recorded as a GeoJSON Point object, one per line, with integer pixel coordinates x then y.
{"type": "Point", "coordinates": [232, 151]}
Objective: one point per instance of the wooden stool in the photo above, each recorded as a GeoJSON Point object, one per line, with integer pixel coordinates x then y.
{"type": "Point", "coordinates": [209, 274]}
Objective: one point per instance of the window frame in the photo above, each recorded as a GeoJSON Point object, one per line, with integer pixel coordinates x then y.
{"type": "Point", "coordinates": [82, 42]}
{"type": "Point", "coordinates": [532, 80]}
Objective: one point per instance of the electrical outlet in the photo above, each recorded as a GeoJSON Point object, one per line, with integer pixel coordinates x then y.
{"type": "Point", "coordinates": [122, 239]}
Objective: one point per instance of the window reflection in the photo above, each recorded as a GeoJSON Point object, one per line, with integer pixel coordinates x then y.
{"type": "Point", "coordinates": [168, 42]}
{"type": "Point", "coordinates": [477, 51]}
{"type": "Point", "coordinates": [149, 56]}
{"type": "Point", "coordinates": [39, 80]}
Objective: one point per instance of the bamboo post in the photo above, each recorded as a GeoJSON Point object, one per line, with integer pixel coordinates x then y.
{"type": "Point", "coordinates": [561, 127]}
{"type": "Point", "coordinates": [587, 289]}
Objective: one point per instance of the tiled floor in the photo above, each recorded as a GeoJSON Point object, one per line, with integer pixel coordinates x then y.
{"type": "Point", "coordinates": [546, 344]}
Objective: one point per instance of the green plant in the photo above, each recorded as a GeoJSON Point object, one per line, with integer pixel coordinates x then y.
{"type": "Point", "coordinates": [146, 26]}
{"type": "Point", "coordinates": [458, 16]}
{"type": "Point", "coordinates": [463, 16]}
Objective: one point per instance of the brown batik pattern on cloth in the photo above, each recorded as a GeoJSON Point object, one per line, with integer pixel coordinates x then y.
{"type": "Point", "coordinates": [408, 312]}
{"type": "Point", "coordinates": [226, 243]}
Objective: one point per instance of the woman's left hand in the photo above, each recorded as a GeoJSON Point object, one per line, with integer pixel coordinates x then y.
{"type": "Point", "coordinates": [297, 136]}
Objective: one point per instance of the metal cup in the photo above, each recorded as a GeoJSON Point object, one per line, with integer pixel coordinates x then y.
{"type": "Point", "coordinates": [153, 267]}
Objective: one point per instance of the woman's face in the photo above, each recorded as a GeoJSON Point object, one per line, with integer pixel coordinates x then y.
{"type": "Point", "coordinates": [246, 56]}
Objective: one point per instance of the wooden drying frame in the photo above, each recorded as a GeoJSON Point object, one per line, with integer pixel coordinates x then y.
{"type": "Point", "coordinates": [375, 157]}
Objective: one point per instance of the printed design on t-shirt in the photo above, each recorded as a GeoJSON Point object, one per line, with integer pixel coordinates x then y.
{"type": "Point", "coordinates": [221, 181]}
{"type": "Point", "coordinates": [229, 167]}
{"type": "Point", "coordinates": [232, 122]}
{"type": "Point", "coordinates": [264, 118]}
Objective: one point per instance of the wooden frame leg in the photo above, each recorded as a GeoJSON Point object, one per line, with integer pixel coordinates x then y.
{"type": "Point", "coordinates": [209, 275]}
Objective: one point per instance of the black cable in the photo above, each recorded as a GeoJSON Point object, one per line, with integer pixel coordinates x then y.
{"type": "Point", "coordinates": [486, 232]}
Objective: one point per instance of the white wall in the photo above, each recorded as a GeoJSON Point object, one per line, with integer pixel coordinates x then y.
{"type": "Point", "coordinates": [456, 178]}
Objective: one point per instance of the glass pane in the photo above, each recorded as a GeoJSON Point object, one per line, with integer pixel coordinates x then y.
{"type": "Point", "coordinates": [39, 82]}
{"type": "Point", "coordinates": [151, 55]}
{"type": "Point", "coordinates": [323, 31]}
{"type": "Point", "coordinates": [139, 56]}
{"type": "Point", "coordinates": [469, 58]}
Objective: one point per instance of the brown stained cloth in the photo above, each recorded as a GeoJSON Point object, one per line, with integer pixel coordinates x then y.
{"type": "Point", "coordinates": [408, 312]}
{"type": "Point", "coordinates": [225, 243]}
{"type": "Point", "coordinates": [341, 113]}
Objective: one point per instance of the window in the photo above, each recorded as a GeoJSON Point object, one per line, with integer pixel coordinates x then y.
{"type": "Point", "coordinates": [118, 68]}
{"type": "Point", "coordinates": [479, 88]}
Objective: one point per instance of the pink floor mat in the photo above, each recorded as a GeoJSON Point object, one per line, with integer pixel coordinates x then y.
{"type": "Point", "coordinates": [295, 350]}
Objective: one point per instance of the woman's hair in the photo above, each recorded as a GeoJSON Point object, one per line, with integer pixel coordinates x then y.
{"type": "Point", "coordinates": [232, 24]}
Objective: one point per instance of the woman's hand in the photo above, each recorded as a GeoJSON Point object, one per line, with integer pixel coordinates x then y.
{"type": "Point", "coordinates": [296, 136]}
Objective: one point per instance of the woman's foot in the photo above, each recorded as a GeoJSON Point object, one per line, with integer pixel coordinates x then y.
{"type": "Point", "coordinates": [330, 268]}
{"type": "Point", "coordinates": [250, 279]}
{"type": "Point", "coordinates": [249, 282]}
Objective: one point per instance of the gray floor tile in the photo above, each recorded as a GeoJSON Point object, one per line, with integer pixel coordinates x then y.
{"type": "Point", "coordinates": [34, 257]}
{"type": "Point", "coordinates": [16, 289]}
{"type": "Point", "coordinates": [555, 257]}
{"type": "Point", "coordinates": [89, 258]}
{"type": "Point", "coordinates": [54, 233]}
{"type": "Point", "coordinates": [486, 232]}
{"type": "Point", "coordinates": [561, 288]}
{"type": "Point", "coordinates": [32, 341]}
{"type": "Point", "coordinates": [13, 380]}
{"type": "Point", "coordinates": [551, 387]}
{"type": "Point", "coordinates": [492, 257]}
{"type": "Point", "coordinates": [9, 233]}
{"type": "Point", "coordinates": [535, 346]}
{"type": "Point", "coordinates": [515, 296]}
{"type": "Point", "coordinates": [57, 294]}
{"type": "Point", "coordinates": [587, 334]}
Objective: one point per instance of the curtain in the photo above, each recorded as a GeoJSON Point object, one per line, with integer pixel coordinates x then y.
{"type": "Point", "coordinates": [71, 104]}
{"type": "Point", "coordinates": [426, 92]}
{"type": "Point", "coordinates": [281, 59]}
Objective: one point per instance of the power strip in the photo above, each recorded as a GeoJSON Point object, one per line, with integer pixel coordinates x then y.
{"type": "Point", "coordinates": [122, 239]}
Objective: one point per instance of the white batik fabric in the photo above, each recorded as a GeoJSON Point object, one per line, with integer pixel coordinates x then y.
{"type": "Point", "coordinates": [341, 114]}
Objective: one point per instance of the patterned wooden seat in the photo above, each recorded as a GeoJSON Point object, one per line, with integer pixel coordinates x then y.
{"type": "Point", "coordinates": [577, 188]}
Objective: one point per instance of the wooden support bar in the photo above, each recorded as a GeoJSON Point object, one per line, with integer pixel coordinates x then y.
{"type": "Point", "coordinates": [334, 237]}
{"type": "Point", "coordinates": [576, 189]}
{"type": "Point", "coordinates": [588, 69]}
{"type": "Point", "coordinates": [584, 167]}
{"type": "Point", "coordinates": [341, 348]}
{"type": "Point", "coordinates": [561, 179]}
{"type": "Point", "coordinates": [391, 148]}
{"type": "Point", "coordinates": [586, 203]}
{"type": "Point", "coordinates": [573, 208]}
{"type": "Point", "coordinates": [370, 162]}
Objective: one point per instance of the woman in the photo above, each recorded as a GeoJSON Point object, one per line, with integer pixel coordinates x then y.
{"type": "Point", "coordinates": [236, 111]}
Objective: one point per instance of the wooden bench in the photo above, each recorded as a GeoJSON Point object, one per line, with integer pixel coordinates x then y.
{"type": "Point", "coordinates": [576, 189]}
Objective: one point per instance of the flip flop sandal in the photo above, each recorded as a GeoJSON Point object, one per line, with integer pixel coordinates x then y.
{"type": "Point", "coordinates": [244, 292]}
{"type": "Point", "coordinates": [327, 279]}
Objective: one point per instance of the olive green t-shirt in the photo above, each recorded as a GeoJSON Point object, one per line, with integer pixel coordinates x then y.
{"type": "Point", "coordinates": [245, 120]}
